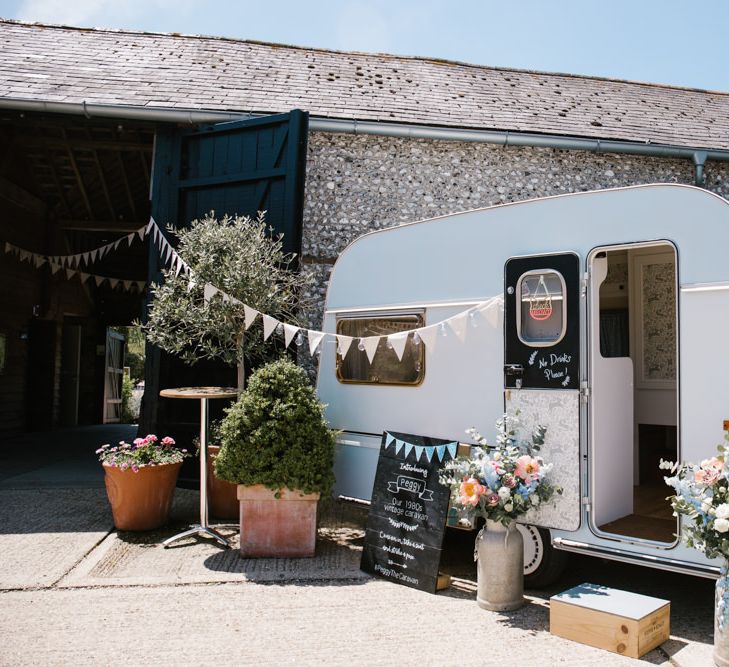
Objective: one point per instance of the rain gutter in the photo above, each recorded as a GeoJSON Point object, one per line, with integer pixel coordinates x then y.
{"type": "Point", "coordinates": [698, 155]}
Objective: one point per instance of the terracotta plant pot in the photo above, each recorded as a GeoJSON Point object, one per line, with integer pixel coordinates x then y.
{"type": "Point", "coordinates": [222, 499]}
{"type": "Point", "coordinates": [271, 527]}
{"type": "Point", "coordinates": [141, 500]}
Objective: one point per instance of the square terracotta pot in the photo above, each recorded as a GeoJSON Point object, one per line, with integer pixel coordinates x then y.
{"type": "Point", "coordinates": [271, 527]}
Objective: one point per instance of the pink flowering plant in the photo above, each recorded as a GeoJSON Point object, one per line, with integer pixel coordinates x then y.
{"type": "Point", "coordinates": [702, 497]}
{"type": "Point", "coordinates": [500, 482]}
{"type": "Point", "coordinates": [143, 452]}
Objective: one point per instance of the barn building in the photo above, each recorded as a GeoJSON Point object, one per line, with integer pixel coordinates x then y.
{"type": "Point", "coordinates": [102, 128]}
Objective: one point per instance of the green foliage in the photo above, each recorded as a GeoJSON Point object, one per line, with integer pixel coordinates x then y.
{"type": "Point", "coordinates": [239, 256]}
{"type": "Point", "coordinates": [276, 434]}
{"type": "Point", "coordinates": [127, 414]}
{"type": "Point", "coordinates": [143, 452]}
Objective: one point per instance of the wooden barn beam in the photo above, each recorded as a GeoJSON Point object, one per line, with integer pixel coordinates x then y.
{"type": "Point", "coordinates": [85, 144]}
{"type": "Point", "coordinates": [79, 179]}
{"type": "Point", "coordinates": [21, 197]}
{"type": "Point", "coordinates": [125, 180]}
{"type": "Point", "coordinates": [104, 188]}
{"type": "Point", "coordinates": [124, 226]}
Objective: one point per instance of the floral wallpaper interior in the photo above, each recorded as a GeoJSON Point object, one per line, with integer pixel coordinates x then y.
{"type": "Point", "coordinates": [659, 322]}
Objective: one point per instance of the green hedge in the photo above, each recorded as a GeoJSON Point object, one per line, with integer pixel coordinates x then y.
{"type": "Point", "coordinates": [276, 434]}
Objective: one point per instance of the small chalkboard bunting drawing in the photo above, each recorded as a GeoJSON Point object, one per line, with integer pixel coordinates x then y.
{"type": "Point", "coordinates": [408, 512]}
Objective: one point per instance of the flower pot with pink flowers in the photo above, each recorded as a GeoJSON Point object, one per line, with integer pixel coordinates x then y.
{"type": "Point", "coordinates": [500, 483]}
{"type": "Point", "coordinates": [140, 480]}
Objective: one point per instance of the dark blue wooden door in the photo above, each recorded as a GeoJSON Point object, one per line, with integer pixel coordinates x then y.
{"type": "Point", "coordinates": [240, 167]}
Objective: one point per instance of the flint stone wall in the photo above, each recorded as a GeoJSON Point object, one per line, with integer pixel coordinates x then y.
{"type": "Point", "coordinates": [356, 184]}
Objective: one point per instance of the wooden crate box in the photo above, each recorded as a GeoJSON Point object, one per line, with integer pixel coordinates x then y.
{"type": "Point", "coordinates": [618, 621]}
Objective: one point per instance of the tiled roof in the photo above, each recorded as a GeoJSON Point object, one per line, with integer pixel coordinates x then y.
{"type": "Point", "coordinates": [61, 64]}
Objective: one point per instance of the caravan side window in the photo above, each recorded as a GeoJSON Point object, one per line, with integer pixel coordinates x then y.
{"type": "Point", "coordinates": [385, 368]}
{"type": "Point", "coordinates": [541, 314]}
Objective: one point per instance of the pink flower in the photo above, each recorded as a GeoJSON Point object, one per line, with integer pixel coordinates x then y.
{"type": "Point", "coordinates": [123, 466]}
{"type": "Point", "coordinates": [167, 441]}
{"type": "Point", "coordinates": [710, 471]}
{"type": "Point", "coordinates": [151, 437]}
{"type": "Point", "coordinates": [497, 466]}
{"type": "Point", "coordinates": [135, 467]}
{"type": "Point", "coordinates": [140, 442]}
{"type": "Point", "coordinates": [470, 491]}
{"type": "Point", "coordinates": [527, 468]}
{"type": "Point", "coordinates": [492, 499]}
{"type": "Point", "coordinates": [509, 481]}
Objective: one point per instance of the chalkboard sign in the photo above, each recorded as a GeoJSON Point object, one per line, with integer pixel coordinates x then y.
{"type": "Point", "coordinates": [408, 512]}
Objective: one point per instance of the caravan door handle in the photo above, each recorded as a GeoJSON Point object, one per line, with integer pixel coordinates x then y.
{"type": "Point", "coordinates": [517, 370]}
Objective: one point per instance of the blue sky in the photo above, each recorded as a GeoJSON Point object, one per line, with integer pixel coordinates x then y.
{"type": "Point", "coordinates": [663, 41]}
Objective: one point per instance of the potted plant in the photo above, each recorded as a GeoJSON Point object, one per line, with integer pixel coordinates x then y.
{"type": "Point", "coordinates": [500, 483]}
{"type": "Point", "coordinates": [278, 448]}
{"type": "Point", "coordinates": [140, 480]}
{"type": "Point", "coordinates": [222, 495]}
{"type": "Point", "coordinates": [702, 497]}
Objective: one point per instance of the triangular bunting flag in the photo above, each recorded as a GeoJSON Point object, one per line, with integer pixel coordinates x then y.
{"type": "Point", "coordinates": [93, 254]}
{"type": "Point", "coordinates": [440, 449]}
{"type": "Point", "coordinates": [24, 255]}
{"type": "Point", "coordinates": [370, 345]}
{"type": "Point", "coordinates": [113, 282]}
{"type": "Point", "coordinates": [70, 273]}
{"type": "Point", "coordinates": [209, 292]}
{"type": "Point", "coordinates": [343, 345]}
{"type": "Point", "coordinates": [86, 256]}
{"type": "Point", "coordinates": [150, 224]}
{"type": "Point", "coordinates": [141, 284]}
{"type": "Point", "coordinates": [168, 252]}
{"type": "Point", "coordinates": [459, 325]}
{"type": "Point", "coordinates": [314, 340]}
{"type": "Point", "coordinates": [130, 238]}
{"type": "Point", "coordinates": [398, 342]}
{"type": "Point", "coordinates": [429, 453]}
{"type": "Point", "coordinates": [116, 244]}
{"type": "Point", "coordinates": [157, 234]}
{"type": "Point", "coordinates": [408, 449]}
{"type": "Point", "coordinates": [127, 284]}
{"type": "Point", "coordinates": [8, 247]}
{"type": "Point", "coordinates": [388, 439]}
{"type": "Point", "coordinates": [179, 266]}
{"type": "Point", "coordinates": [418, 451]}
{"type": "Point", "coordinates": [429, 335]}
{"type": "Point", "coordinates": [55, 268]}
{"type": "Point", "coordinates": [140, 233]}
{"type": "Point", "coordinates": [39, 261]}
{"type": "Point", "coordinates": [452, 449]}
{"type": "Point", "coordinates": [269, 324]}
{"type": "Point", "coordinates": [289, 332]}
{"type": "Point", "coordinates": [99, 280]}
{"type": "Point", "coordinates": [399, 444]}
{"type": "Point", "coordinates": [249, 315]}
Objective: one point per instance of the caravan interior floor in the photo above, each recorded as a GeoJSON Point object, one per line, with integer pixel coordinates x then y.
{"type": "Point", "coordinates": [652, 519]}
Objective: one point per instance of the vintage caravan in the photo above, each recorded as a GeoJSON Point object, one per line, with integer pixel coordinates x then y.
{"type": "Point", "coordinates": [601, 315]}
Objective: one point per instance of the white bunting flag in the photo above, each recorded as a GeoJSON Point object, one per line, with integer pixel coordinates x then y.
{"type": "Point", "coordinates": [8, 247]}
{"type": "Point", "coordinates": [429, 335]}
{"type": "Point", "coordinates": [398, 342]}
{"type": "Point", "coordinates": [250, 315]}
{"type": "Point", "coordinates": [289, 332]}
{"type": "Point", "coordinates": [209, 292]}
{"type": "Point", "coordinates": [70, 273]}
{"type": "Point", "coordinates": [99, 280]}
{"type": "Point", "coordinates": [24, 255]}
{"type": "Point", "coordinates": [140, 233]}
{"type": "Point", "coordinates": [130, 238]}
{"type": "Point", "coordinates": [93, 254]}
{"type": "Point", "coordinates": [314, 340]}
{"type": "Point", "coordinates": [459, 325]}
{"type": "Point", "coordinates": [55, 268]}
{"type": "Point", "coordinates": [127, 285]}
{"type": "Point", "coordinates": [86, 256]}
{"type": "Point", "coordinates": [113, 282]}
{"type": "Point", "coordinates": [343, 345]}
{"type": "Point", "coordinates": [38, 261]}
{"type": "Point", "coordinates": [141, 284]}
{"type": "Point", "coordinates": [269, 325]}
{"type": "Point", "coordinates": [150, 225]}
{"type": "Point", "coordinates": [370, 345]}
{"type": "Point", "coordinates": [84, 276]}
{"type": "Point", "coordinates": [116, 244]}
{"type": "Point", "coordinates": [157, 234]}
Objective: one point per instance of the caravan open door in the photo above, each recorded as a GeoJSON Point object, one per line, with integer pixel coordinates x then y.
{"type": "Point", "coordinates": [542, 370]}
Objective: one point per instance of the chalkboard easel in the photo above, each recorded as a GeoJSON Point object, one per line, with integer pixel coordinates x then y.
{"type": "Point", "coordinates": [408, 511]}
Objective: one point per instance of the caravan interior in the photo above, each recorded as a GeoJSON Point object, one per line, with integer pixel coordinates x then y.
{"type": "Point", "coordinates": [633, 419]}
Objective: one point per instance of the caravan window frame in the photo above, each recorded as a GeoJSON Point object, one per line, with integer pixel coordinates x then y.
{"type": "Point", "coordinates": [418, 317]}
{"type": "Point", "coordinates": [562, 298]}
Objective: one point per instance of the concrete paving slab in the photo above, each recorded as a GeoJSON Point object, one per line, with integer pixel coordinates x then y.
{"type": "Point", "coordinates": [45, 532]}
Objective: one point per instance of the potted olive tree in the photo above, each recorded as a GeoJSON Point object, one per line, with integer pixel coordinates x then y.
{"type": "Point", "coordinates": [240, 256]}
{"type": "Point", "coordinates": [278, 448]}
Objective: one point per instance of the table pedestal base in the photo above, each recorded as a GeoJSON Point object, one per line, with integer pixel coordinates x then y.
{"type": "Point", "coordinates": [197, 529]}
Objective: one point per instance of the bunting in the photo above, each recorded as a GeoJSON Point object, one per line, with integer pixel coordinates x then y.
{"type": "Point", "coordinates": [439, 451]}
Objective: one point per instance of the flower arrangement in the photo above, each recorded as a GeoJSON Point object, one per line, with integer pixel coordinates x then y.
{"type": "Point", "coordinates": [500, 482]}
{"type": "Point", "coordinates": [702, 495]}
{"type": "Point", "coordinates": [143, 452]}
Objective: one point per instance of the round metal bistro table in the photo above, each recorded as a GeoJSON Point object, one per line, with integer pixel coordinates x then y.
{"type": "Point", "coordinates": [203, 394]}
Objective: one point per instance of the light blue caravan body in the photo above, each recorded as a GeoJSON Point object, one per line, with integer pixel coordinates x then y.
{"type": "Point", "coordinates": [652, 305]}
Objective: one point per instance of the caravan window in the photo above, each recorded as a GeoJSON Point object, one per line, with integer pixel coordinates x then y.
{"type": "Point", "coordinates": [541, 318]}
{"type": "Point", "coordinates": [385, 368]}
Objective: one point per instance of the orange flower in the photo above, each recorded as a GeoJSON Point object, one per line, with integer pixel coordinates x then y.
{"type": "Point", "coordinates": [471, 491]}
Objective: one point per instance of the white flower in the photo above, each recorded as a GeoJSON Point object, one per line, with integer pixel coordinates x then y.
{"type": "Point", "coordinates": [534, 499]}
{"type": "Point", "coordinates": [721, 525]}
{"type": "Point", "coordinates": [508, 507]}
{"type": "Point", "coordinates": [722, 512]}
{"type": "Point", "coordinates": [504, 492]}
{"type": "Point", "coordinates": [706, 505]}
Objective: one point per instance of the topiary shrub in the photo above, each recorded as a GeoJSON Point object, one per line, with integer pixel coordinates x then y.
{"type": "Point", "coordinates": [276, 434]}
